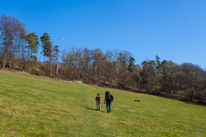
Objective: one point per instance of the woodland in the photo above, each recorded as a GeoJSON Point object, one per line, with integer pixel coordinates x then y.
{"type": "Point", "coordinates": [111, 68]}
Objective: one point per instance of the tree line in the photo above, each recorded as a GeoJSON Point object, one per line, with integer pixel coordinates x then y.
{"type": "Point", "coordinates": [113, 68]}
{"type": "Point", "coordinates": [18, 49]}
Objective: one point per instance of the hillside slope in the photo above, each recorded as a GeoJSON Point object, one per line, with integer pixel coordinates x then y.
{"type": "Point", "coordinates": [40, 106]}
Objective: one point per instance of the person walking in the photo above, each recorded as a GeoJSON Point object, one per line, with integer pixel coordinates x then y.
{"type": "Point", "coordinates": [97, 100]}
{"type": "Point", "coordinates": [108, 98]}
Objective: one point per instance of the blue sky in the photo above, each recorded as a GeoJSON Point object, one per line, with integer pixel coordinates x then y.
{"type": "Point", "coordinates": [172, 29]}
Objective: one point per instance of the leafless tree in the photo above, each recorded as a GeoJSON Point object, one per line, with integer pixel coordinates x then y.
{"type": "Point", "coordinates": [193, 79]}
{"type": "Point", "coordinates": [172, 77]}
{"type": "Point", "coordinates": [12, 31]}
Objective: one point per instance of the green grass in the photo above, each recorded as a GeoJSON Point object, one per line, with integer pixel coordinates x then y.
{"type": "Point", "coordinates": [39, 106]}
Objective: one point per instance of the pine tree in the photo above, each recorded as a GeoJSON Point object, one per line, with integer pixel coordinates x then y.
{"type": "Point", "coordinates": [33, 41]}
{"type": "Point", "coordinates": [158, 61]}
{"type": "Point", "coordinates": [46, 45]}
{"type": "Point", "coordinates": [56, 56]}
{"type": "Point", "coordinates": [131, 66]}
{"type": "Point", "coordinates": [47, 49]}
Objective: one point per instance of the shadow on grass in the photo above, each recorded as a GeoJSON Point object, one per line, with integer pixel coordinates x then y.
{"type": "Point", "coordinates": [92, 109]}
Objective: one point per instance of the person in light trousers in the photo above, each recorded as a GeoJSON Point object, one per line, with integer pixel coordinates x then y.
{"type": "Point", "coordinates": [97, 100]}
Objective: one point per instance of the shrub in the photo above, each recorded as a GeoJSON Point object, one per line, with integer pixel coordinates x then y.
{"type": "Point", "coordinates": [86, 82]}
{"type": "Point", "coordinates": [34, 72]}
{"type": "Point", "coordinates": [40, 73]}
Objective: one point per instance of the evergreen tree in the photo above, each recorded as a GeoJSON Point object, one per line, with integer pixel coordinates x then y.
{"type": "Point", "coordinates": [151, 62]}
{"type": "Point", "coordinates": [158, 61]}
{"type": "Point", "coordinates": [55, 56]}
{"type": "Point", "coordinates": [33, 41]}
{"type": "Point", "coordinates": [163, 62]}
{"type": "Point", "coordinates": [131, 66]}
{"type": "Point", "coordinates": [47, 49]}
{"type": "Point", "coordinates": [46, 45]}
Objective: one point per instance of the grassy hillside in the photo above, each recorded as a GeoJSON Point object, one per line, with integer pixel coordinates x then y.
{"type": "Point", "coordinates": [38, 106]}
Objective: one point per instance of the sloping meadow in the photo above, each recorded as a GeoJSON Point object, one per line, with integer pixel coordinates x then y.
{"type": "Point", "coordinates": [40, 106]}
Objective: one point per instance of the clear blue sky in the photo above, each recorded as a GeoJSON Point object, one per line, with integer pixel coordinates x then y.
{"type": "Point", "coordinates": [172, 29]}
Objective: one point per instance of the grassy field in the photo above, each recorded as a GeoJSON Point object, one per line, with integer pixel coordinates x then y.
{"type": "Point", "coordinates": [40, 106]}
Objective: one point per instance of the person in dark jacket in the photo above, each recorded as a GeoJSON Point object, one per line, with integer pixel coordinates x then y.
{"type": "Point", "coordinates": [108, 99]}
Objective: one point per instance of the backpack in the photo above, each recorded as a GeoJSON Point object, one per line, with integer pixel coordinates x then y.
{"type": "Point", "coordinates": [109, 97]}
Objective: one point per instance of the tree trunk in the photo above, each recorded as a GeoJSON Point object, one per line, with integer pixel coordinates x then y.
{"type": "Point", "coordinates": [50, 66]}
{"type": "Point", "coordinates": [191, 98]}
{"type": "Point", "coordinates": [49, 69]}
{"type": "Point", "coordinates": [10, 63]}
{"type": "Point", "coordinates": [57, 67]}
{"type": "Point", "coordinates": [4, 63]}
